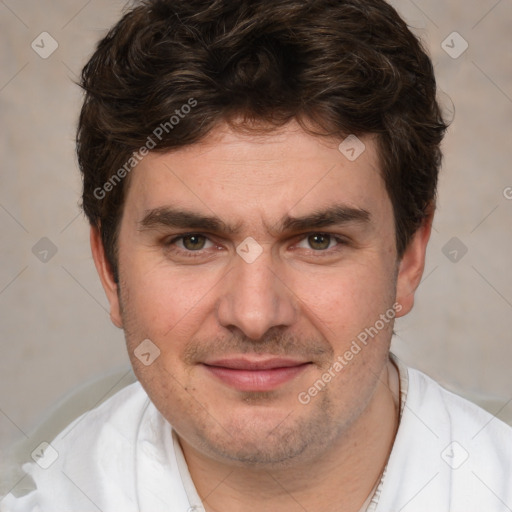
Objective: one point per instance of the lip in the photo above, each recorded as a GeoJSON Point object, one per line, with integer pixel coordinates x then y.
{"type": "Point", "coordinates": [255, 374]}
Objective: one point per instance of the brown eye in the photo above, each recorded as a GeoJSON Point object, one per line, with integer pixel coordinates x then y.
{"type": "Point", "coordinates": [193, 242]}
{"type": "Point", "coordinates": [319, 242]}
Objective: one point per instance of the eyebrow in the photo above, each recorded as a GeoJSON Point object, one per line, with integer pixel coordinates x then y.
{"type": "Point", "coordinates": [332, 216]}
{"type": "Point", "coordinates": [166, 217]}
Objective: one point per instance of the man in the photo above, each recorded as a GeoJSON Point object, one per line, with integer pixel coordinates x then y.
{"type": "Point", "coordinates": [260, 180]}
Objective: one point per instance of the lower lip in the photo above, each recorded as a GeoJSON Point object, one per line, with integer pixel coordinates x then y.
{"type": "Point", "coordinates": [256, 380]}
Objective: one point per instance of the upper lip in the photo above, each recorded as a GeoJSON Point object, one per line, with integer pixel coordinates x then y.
{"type": "Point", "coordinates": [242, 363]}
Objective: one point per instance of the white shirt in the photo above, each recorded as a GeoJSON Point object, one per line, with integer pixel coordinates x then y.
{"type": "Point", "coordinates": [449, 456]}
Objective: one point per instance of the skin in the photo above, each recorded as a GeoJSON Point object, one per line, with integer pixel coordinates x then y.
{"type": "Point", "coordinates": [303, 298]}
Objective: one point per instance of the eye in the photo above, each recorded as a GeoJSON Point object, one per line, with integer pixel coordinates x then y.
{"type": "Point", "coordinates": [192, 242]}
{"type": "Point", "coordinates": [319, 242]}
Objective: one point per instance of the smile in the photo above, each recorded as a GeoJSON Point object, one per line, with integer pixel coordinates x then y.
{"type": "Point", "coordinates": [255, 375]}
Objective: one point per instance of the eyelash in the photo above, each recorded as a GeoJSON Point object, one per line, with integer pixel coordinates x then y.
{"type": "Point", "coordinates": [170, 245]}
{"type": "Point", "coordinates": [194, 254]}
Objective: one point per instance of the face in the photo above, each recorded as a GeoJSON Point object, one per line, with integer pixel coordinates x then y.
{"type": "Point", "coordinates": [253, 264]}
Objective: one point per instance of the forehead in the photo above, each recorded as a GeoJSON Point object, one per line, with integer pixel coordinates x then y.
{"type": "Point", "coordinates": [245, 177]}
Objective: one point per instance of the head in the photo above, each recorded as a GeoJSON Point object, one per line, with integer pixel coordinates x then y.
{"type": "Point", "coordinates": [260, 181]}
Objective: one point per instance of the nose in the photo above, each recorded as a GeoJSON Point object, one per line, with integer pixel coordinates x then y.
{"type": "Point", "coordinates": [255, 298]}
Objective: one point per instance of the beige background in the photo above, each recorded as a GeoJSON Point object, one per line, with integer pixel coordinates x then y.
{"type": "Point", "coordinates": [54, 326]}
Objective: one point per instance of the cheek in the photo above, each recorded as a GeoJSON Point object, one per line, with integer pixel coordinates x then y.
{"type": "Point", "coordinates": [347, 296]}
{"type": "Point", "coordinates": [161, 302]}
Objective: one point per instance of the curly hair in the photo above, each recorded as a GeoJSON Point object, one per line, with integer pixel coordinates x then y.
{"type": "Point", "coordinates": [342, 66]}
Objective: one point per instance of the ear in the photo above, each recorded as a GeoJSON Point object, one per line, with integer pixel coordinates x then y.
{"type": "Point", "coordinates": [412, 265]}
{"type": "Point", "coordinates": [104, 270]}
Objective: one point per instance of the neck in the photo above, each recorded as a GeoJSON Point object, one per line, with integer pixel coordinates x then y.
{"type": "Point", "coordinates": [345, 473]}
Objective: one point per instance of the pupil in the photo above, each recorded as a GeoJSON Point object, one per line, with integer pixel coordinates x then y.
{"type": "Point", "coordinates": [193, 242]}
{"type": "Point", "coordinates": [318, 242]}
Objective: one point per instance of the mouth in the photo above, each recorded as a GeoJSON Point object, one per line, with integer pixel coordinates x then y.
{"type": "Point", "coordinates": [251, 374]}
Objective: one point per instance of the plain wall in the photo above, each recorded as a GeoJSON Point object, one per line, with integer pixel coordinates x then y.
{"type": "Point", "coordinates": [54, 326]}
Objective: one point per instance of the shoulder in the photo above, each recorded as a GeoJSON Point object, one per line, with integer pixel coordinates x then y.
{"type": "Point", "coordinates": [455, 415]}
{"type": "Point", "coordinates": [449, 454]}
{"type": "Point", "coordinates": [71, 470]}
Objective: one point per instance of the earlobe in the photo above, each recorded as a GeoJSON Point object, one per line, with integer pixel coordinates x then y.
{"type": "Point", "coordinates": [106, 275]}
{"type": "Point", "coordinates": [411, 267]}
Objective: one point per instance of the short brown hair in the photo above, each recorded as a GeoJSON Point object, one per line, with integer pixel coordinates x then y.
{"type": "Point", "coordinates": [344, 66]}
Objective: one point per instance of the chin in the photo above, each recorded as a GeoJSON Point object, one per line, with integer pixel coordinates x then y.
{"type": "Point", "coordinates": [268, 439]}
